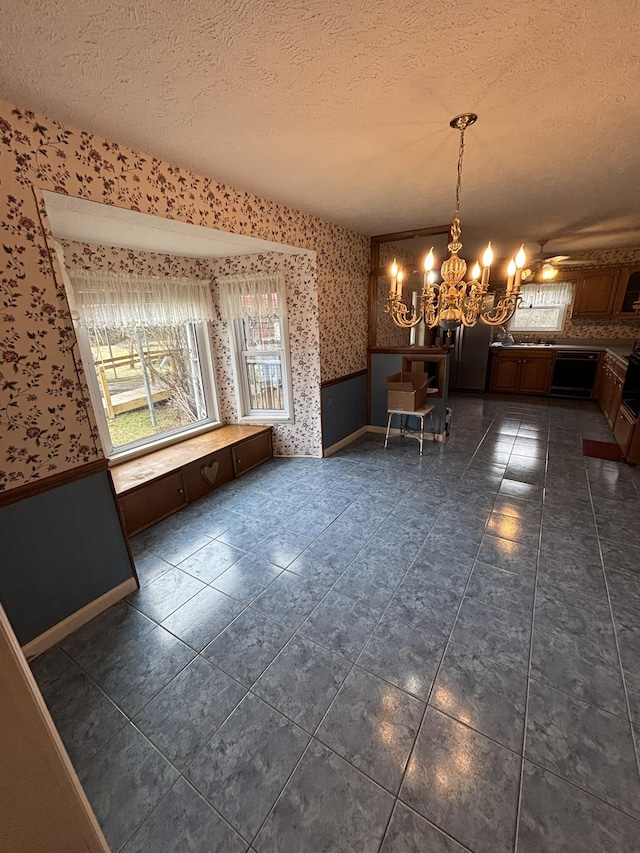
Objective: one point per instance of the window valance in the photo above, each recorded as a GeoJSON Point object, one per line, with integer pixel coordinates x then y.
{"type": "Point", "coordinates": [254, 295]}
{"type": "Point", "coordinates": [105, 299]}
{"type": "Point", "coordinates": [542, 295]}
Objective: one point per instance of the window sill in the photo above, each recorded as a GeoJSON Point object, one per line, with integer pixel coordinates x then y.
{"type": "Point", "coordinates": [125, 455]}
{"type": "Point", "coordinates": [265, 419]}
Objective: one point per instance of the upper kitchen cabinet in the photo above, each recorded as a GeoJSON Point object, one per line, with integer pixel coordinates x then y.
{"type": "Point", "coordinates": [627, 292]}
{"type": "Point", "coordinates": [596, 292]}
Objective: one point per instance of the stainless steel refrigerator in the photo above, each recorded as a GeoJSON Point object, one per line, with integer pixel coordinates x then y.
{"type": "Point", "coordinates": [470, 356]}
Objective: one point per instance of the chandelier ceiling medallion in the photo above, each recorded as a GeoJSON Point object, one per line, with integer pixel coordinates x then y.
{"type": "Point", "coordinates": [454, 301]}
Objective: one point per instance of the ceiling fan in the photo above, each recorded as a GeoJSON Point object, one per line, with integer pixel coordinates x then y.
{"type": "Point", "coordinates": [545, 267]}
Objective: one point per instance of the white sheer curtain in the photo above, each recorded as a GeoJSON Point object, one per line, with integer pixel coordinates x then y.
{"type": "Point", "coordinates": [253, 295]}
{"type": "Point", "coordinates": [104, 299]}
{"type": "Point", "coordinates": [543, 295]}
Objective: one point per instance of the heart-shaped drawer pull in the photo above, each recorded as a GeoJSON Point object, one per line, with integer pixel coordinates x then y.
{"type": "Point", "coordinates": [210, 472]}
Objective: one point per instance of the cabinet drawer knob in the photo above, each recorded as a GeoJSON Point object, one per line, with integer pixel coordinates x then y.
{"type": "Point", "coordinates": [180, 491]}
{"type": "Point", "coordinates": [239, 461]}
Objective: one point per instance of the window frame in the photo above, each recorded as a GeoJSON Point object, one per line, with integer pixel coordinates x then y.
{"type": "Point", "coordinates": [153, 442]}
{"type": "Point", "coordinates": [513, 327]}
{"type": "Point", "coordinates": [243, 396]}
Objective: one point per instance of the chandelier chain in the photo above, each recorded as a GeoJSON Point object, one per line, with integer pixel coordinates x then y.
{"type": "Point", "coordinates": [459, 181]}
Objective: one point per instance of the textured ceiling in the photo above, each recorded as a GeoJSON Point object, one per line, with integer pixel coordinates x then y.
{"type": "Point", "coordinates": [341, 108]}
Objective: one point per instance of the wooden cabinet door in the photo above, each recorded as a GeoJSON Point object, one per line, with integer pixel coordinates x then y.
{"type": "Point", "coordinates": [154, 501]}
{"type": "Point", "coordinates": [595, 293]}
{"type": "Point", "coordinates": [204, 475]}
{"type": "Point", "coordinates": [505, 374]}
{"type": "Point", "coordinates": [623, 428]}
{"type": "Point", "coordinates": [627, 292]}
{"type": "Point", "coordinates": [247, 454]}
{"type": "Point", "coordinates": [535, 374]}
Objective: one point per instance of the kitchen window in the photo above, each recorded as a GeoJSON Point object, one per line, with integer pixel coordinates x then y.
{"type": "Point", "coordinates": [144, 342]}
{"type": "Point", "coordinates": [255, 309]}
{"type": "Point", "coordinates": [543, 307]}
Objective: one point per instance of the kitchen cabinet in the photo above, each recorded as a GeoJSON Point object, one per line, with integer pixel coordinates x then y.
{"type": "Point", "coordinates": [609, 382]}
{"type": "Point", "coordinates": [627, 292]}
{"type": "Point", "coordinates": [623, 428]}
{"type": "Point", "coordinates": [521, 372]}
{"type": "Point", "coordinates": [596, 292]}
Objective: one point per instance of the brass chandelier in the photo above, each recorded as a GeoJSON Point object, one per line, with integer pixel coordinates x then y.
{"type": "Point", "coordinates": [456, 302]}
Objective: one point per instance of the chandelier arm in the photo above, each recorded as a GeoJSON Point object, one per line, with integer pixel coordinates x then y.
{"type": "Point", "coordinates": [400, 314]}
{"type": "Point", "coordinates": [502, 312]}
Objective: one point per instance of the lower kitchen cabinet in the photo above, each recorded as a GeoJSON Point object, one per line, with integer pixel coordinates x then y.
{"type": "Point", "coordinates": [517, 373]}
{"type": "Point", "coordinates": [609, 382]}
{"type": "Point", "coordinates": [624, 428]}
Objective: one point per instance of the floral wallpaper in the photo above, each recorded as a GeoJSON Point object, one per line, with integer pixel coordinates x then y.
{"type": "Point", "coordinates": [303, 437]}
{"type": "Point", "coordinates": [46, 422]}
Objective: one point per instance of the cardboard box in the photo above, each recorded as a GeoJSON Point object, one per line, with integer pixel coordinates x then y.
{"type": "Point", "coordinates": [407, 391]}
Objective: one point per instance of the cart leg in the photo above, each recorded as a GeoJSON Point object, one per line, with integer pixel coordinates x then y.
{"type": "Point", "coordinates": [421, 432]}
{"type": "Point", "coordinates": [386, 438]}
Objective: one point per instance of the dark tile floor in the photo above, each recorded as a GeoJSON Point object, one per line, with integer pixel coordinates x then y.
{"type": "Point", "coordinates": [375, 652]}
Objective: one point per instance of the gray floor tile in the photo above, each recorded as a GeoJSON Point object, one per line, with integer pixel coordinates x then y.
{"type": "Point", "coordinates": [124, 782]}
{"type": "Point", "coordinates": [503, 589]}
{"type": "Point", "coordinates": [403, 655]}
{"type": "Point", "coordinates": [585, 745]}
{"type": "Point", "coordinates": [441, 570]}
{"type": "Point", "coordinates": [507, 555]}
{"type": "Point", "coordinates": [340, 625]}
{"type": "Point", "coordinates": [318, 566]}
{"type": "Point", "coordinates": [499, 635]}
{"type": "Point", "coordinates": [247, 578]}
{"type": "Point", "coordinates": [507, 526]}
{"type": "Point", "coordinates": [327, 806]}
{"type": "Point", "coordinates": [165, 594]}
{"type": "Point", "coordinates": [282, 547]}
{"type": "Point", "coordinates": [464, 783]}
{"type": "Point", "coordinates": [557, 817]}
{"type": "Point", "coordinates": [211, 561]}
{"type": "Point", "coordinates": [183, 822]}
{"type": "Point", "coordinates": [183, 716]}
{"type": "Point", "coordinates": [410, 833]}
{"type": "Point", "coordinates": [424, 605]}
{"type": "Point", "coordinates": [373, 725]}
{"type": "Point", "coordinates": [485, 695]}
{"type": "Point", "coordinates": [246, 648]}
{"type": "Point", "coordinates": [132, 673]}
{"type": "Point", "coordinates": [203, 617]}
{"type": "Point", "coordinates": [149, 567]}
{"type": "Point", "coordinates": [116, 626]}
{"type": "Point", "coordinates": [621, 556]}
{"type": "Point", "coordinates": [246, 533]}
{"type": "Point", "coordinates": [245, 765]}
{"type": "Point", "coordinates": [85, 718]}
{"type": "Point", "coordinates": [588, 670]}
{"type": "Point", "coordinates": [302, 681]}
{"type": "Point", "coordinates": [175, 545]}
{"type": "Point", "coordinates": [571, 576]}
{"type": "Point", "coordinates": [289, 599]}
{"type": "Point", "coordinates": [369, 583]}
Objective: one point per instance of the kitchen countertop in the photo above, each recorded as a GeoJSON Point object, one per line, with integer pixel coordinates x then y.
{"type": "Point", "coordinates": [619, 349]}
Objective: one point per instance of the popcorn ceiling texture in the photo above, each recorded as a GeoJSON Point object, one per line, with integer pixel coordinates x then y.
{"type": "Point", "coordinates": [342, 109]}
{"type": "Point", "coordinates": [46, 421]}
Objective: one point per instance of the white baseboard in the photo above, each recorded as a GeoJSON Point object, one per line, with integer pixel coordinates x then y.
{"type": "Point", "coordinates": [58, 632]}
{"type": "Point", "coordinates": [344, 441]}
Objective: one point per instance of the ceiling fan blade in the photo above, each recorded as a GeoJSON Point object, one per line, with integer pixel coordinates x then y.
{"type": "Point", "coordinates": [556, 259]}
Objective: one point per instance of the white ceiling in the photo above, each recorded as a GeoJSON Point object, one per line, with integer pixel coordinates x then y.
{"type": "Point", "coordinates": [89, 222]}
{"type": "Point", "coordinates": [342, 108]}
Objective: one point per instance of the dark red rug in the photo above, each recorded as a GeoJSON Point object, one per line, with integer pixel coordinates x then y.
{"type": "Point", "coordinates": [602, 450]}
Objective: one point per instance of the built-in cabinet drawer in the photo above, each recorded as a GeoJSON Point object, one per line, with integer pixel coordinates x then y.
{"type": "Point", "coordinates": [153, 501]}
{"type": "Point", "coordinates": [251, 452]}
{"type": "Point", "coordinates": [609, 384]}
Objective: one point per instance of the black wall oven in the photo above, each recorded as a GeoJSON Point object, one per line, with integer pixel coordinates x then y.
{"type": "Point", "coordinates": [631, 387]}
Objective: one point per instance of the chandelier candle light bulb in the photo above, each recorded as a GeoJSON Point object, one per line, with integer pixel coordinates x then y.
{"type": "Point", "coordinates": [455, 302]}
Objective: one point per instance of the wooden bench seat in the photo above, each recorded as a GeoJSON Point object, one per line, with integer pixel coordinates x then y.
{"type": "Point", "coordinates": [153, 486]}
